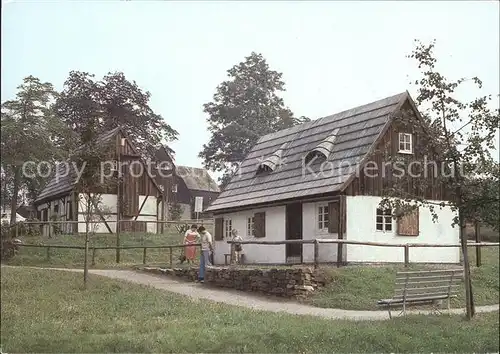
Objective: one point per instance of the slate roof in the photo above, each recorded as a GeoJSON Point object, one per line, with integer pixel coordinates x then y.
{"type": "Point", "coordinates": [345, 138]}
{"type": "Point", "coordinates": [64, 176]}
{"type": "Point", "coordinates": [197, 179]}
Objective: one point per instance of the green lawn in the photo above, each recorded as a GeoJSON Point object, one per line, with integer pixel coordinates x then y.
{"type": "Point", "coordinates": [47, 311]}
{"type": "Point", "coordinates": [103, 258]}
{"type": "Point", "coordinates": [360, 287]}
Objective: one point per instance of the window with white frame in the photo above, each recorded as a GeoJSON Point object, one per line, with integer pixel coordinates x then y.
{"type": "Point", "coordinates": [228, 228]}
{"type": "Point", "coordinates": [250, 227]}
{"type": "Point", "coordinates": [405, 143]}
{"type": "Point", "coordinates": [384, 220]}
{"type": "Point", "coordinates": [322, 216]}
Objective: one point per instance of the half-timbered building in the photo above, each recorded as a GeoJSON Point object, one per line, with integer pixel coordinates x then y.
{"type": "Point", "coordinates": [183, 184]}
{"type": "Point", "coordinates": [136, 198]}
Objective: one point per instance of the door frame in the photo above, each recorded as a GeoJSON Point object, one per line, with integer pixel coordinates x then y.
{"type": "Point", "coordinates": [291, 211]}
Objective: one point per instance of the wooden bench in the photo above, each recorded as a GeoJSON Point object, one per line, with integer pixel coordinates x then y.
{"type": "Point", "coordinates": [421, 287]}
{"type": "Point", "coordinates": [227, 258]}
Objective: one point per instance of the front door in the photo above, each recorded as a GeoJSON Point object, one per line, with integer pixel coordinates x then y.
{"type": "Point", "coordinates": [294, 232]}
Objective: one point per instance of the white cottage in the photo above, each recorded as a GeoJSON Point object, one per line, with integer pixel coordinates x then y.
{"type": "Point", "coordinates": [136, 198]}
{"type": "Point", "coordinates": [311, 182]}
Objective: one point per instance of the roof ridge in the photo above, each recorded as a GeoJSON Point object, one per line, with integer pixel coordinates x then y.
{"type": "Point", "coordinates": [400, 95]}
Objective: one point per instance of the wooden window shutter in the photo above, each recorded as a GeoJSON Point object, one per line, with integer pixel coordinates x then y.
{"type": "Point", "coordinates": [408, 224]}
{"type": "Point", "coordinates": [219, 229]}
{"type": "Point", "coordinates": [333, 217]}
{"type": "Point", "coordinates": [259, 224]}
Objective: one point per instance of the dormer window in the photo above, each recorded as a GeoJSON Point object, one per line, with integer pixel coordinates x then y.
{"type": "Point", "coordinates": [272, 163]}
{"type": "Point", "coordinates": [315, 155]}
{"type": "Point", "coordinates": [263, 169]}
{"type": "Point", "coordinates": [405, 143]}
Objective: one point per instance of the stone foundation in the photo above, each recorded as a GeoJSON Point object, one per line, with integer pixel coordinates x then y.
{"type": "Point", "coordinates": [284, 282]}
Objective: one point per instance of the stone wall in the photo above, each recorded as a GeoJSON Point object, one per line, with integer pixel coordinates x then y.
{"type": "Point", "coordinates": [190, 274]}
{"type": "Point", "coordinates": [284, 282]}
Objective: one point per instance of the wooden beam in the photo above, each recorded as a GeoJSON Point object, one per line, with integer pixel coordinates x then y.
{"type": "Point", "coordinates": [342, 222]}
{"type": "Point", "coordinates": [140, 209]}
{"type": "Point", "coordinates": [74, 207]}
{"type": "Point", "coordinates": [102, 216]}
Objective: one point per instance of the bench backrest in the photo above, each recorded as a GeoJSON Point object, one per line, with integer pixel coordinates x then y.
{"type": "Point", "coordinates": [427, 283]}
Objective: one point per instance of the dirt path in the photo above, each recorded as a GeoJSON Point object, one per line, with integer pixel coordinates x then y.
{"type": "Point", "coordinates": [199, 291]}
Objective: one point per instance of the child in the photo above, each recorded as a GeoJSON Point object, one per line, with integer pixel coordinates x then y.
{"type": "Point", "coordinates": [236, 246]}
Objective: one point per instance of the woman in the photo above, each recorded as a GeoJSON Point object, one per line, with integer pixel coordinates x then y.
{"type": "Point", "coordinates": [190, 238]}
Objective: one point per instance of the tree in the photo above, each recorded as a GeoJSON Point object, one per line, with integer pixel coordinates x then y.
{"type": "Point", "coordinates": [175, 211]}
{"type": "Point", "coordinates": [244, 108]}
{"type": "Point", "coordinates": [88, 159]}
{"type": "Point", "coordinates": [28, 133]}
{"type": "Point", "coordinates": [115, 101]}
{"type": "Point", "coordinates": [457, 138]}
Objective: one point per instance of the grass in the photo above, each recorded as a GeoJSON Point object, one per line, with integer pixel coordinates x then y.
{"type": "Point", "coordinates": [47, 311]}
{"type": "Point", "coordinates": [103, 258]}
{"type": "Point", "coordinates": [360, 287]}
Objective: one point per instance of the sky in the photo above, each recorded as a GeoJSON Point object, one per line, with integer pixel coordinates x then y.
{"type": "Point", "coordinates": [334, 55]}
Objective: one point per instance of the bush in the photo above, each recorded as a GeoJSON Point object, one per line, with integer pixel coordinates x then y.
{"type": "Point", "coordinates": [9, 243]}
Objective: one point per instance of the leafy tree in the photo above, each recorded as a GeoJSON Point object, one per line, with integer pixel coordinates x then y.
{"type": "Point", "coordinates": [114, 101]}
{"type": "Point", "coordinates": [28, 133]}
{"type": "Point", "coordinates": [457, 137]}
{"type": "Point", "coordinates": [175, 211]}
{"type": "Point", "coordinates": [88, 159]}
{"type": "Point", "coordinates": [244, 108]}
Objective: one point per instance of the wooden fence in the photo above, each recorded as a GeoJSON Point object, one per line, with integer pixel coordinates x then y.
{"type": "Point", "coordinates": [200, 222]}
{"type": "Point", "coordinates": [405, 246]}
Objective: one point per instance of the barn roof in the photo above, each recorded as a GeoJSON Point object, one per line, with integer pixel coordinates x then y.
{"type": "Point", "coordinates": [64, 176]}
{"type": "Point", "coordinates": [197, 179]}
{"type": "Point", "coordinates": [344, 139]}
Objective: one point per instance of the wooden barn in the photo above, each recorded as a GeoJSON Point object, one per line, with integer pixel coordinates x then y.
{"type": "Point", "coordinates": [309, 182]}
{"type": "Point", "coordinates": [183, 184]}
{"type": "Point", "coordinates": [136, 198]}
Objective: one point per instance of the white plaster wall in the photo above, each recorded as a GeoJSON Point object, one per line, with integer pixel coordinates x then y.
{"type": "Point", "coordinates": [108, 202]}
{"type": "Point", "coordinates": [311, 231]}
{"type": "Point", "coordinates": [148, 213]}
{"type": "Point", "coordinates": [275, 231]}
{"type": "Point", "coordinates": [361, 220]}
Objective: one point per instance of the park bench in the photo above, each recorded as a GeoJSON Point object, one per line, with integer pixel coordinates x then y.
{"type": "Point", "coordinates": [424, 287]}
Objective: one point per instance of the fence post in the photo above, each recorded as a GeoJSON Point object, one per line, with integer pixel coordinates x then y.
{"type": "Point", "coordinates": [93, 256]}
{"type": "Point", "coordinates": [17, 230]}
{"type": "Point", "coordinates": [171, 261]}
{"type": "Point", "coordinates": [144, 256]}
{"type": "Point", "coordinates": [117, 241]}
{"type": "Point", "coordinates": [48, 253]}
{"type": "Point", "coordinates": [407, 255]}
{"type": "Point", "coordinates": [316, 253]}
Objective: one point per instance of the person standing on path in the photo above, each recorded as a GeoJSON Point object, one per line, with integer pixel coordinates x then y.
{"type": "Point", "coordinates": [206, 249]}
{"type": "Point", "coordinates": [190, 238]}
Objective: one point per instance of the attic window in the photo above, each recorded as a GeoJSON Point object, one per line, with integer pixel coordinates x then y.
{"type": "Point", "coordinates": [405, 143]}
{"type": "Point", "coordinates": [273, 162]}
{"type": "Point", "coordinates": [324, 149]}
{"type": "Point", "coordinates": [315, 155]}
{"type": "Point", "coordinates": [264, 168]}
